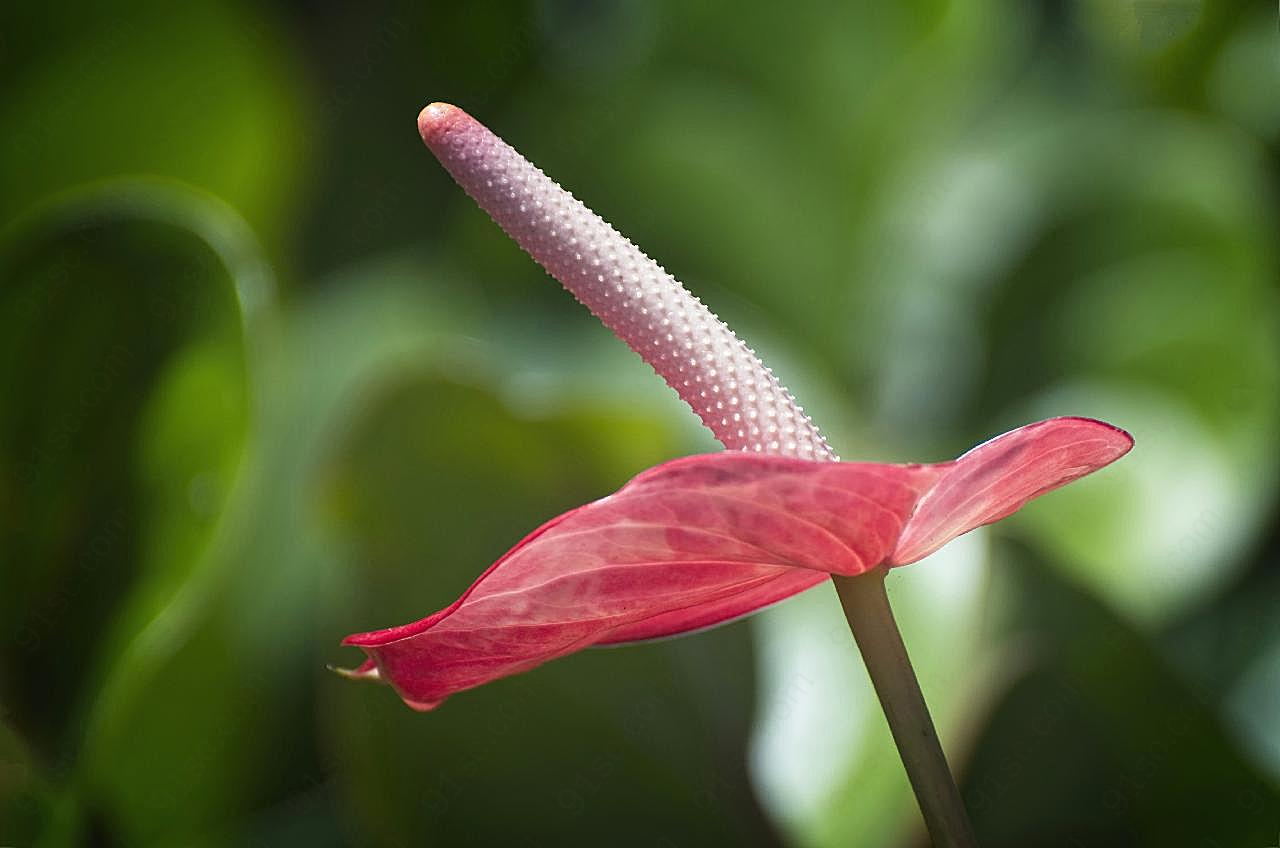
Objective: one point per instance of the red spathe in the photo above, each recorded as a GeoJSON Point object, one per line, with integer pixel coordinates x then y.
{"type": "Point", "coordinates": [706, 539]}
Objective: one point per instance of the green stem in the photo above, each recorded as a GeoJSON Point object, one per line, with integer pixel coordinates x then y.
{"type": "Point", "coordinates": [866, 606]}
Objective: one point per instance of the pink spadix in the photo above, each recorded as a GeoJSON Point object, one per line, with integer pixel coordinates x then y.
{"type": "Point", "coordinates": [704, 539]}
{"type": "Point", "coordinates": [726, 384]}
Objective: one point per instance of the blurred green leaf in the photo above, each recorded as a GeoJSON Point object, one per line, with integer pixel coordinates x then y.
{"type": "Point", "coordinates": [136, 297]}
{"type": "Point", "coordinates": [221, 673]}
{"type": "Point", "coordinates": [125, 307]}
{"type": "Point", "coordinates": [1102, 743]}
{"type": "Point", "coordinates": [1140, 322]}
{"type": "Point", "coordinates": [1230, 647]}
{"type": "Point", "coordinates": [26, 802]}
{"type": "Point", "coordinates": [197, 94]}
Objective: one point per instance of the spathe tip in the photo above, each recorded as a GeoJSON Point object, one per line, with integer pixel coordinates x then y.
{"type": "Point", "coordinates": [361, 673]}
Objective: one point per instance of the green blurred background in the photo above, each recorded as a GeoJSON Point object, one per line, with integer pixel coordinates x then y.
{"type": "Point", "coordinates": [267, 378]}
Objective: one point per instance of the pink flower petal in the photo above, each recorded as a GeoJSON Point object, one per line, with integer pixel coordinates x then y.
{"type": "Point", "coordinates": [997, 477]}
{"type": "Point", "coordinates": [705, 539]}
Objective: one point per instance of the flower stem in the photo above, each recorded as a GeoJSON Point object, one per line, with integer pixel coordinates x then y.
{"type": "Point", "coordinates": [866, 606]}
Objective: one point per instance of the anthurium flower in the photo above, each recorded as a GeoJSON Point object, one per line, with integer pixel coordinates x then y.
{"type": "Point", "coordinates": [701, 540]}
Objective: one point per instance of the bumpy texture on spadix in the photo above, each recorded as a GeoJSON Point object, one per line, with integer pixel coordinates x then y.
{"type": "Point", "coordinates": [722, 379]}
{"type": "Point", "coordinates": [705, 539]}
